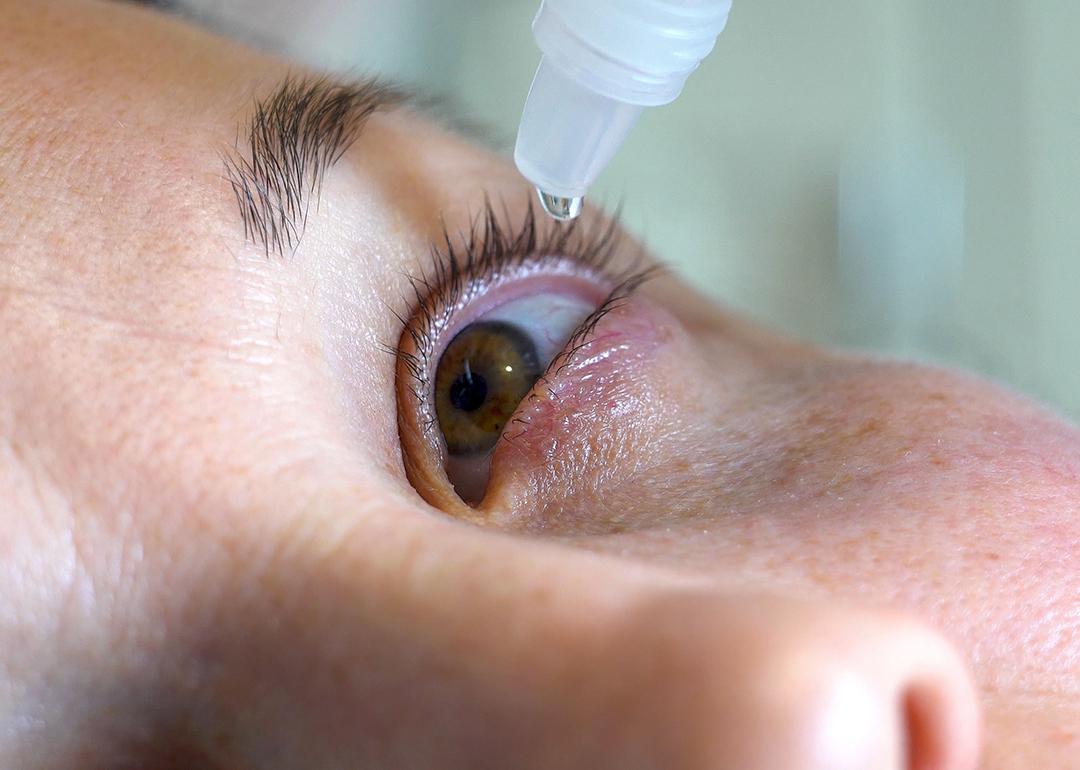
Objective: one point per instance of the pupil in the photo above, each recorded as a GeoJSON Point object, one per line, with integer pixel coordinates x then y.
{"type": "Point", "coordinates": [468, 392]}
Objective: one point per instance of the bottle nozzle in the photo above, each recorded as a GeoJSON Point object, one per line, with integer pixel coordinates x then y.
{"type": "Point", "coordinates": [603, 63]}
{"type": "Point", "coordinates": [562, 209]}
{"type": "Point", "coordinates": [568, 133]}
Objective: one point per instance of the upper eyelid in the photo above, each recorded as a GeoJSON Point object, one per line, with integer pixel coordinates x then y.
{"type": "Point", "coordinates": [494, 242]}
{"type": "Point", "coordinates": [488, 247]}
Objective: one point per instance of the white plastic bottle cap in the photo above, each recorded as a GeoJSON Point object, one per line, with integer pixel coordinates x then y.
{"type": "Point", "coordinates": [603, 62]}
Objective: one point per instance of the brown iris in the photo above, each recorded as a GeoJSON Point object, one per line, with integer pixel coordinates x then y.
{"type": "Point", "coordinates": [482, 376]}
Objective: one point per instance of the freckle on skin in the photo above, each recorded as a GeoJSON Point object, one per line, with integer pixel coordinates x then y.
{"type": "Point", "coordinates": [870, 427]}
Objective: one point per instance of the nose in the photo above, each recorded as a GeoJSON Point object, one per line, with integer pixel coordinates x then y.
{"type": "Point", "coordinates": [766, 684]}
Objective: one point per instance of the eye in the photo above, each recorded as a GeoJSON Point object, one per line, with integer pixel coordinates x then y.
{"type": "Point", "coordinates": [485, 372]}
{"type": "Point", "coordinates": [497, 305]}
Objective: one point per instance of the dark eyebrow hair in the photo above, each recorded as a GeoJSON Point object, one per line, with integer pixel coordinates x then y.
{"type": "Point", "coordinates": [293, 137]}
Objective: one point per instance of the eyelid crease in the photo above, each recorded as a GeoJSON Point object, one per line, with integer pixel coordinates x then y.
{"type": "Point", "coordinates": [491, 247]}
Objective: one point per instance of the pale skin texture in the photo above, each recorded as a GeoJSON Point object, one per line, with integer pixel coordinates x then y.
{"type": "Point", "coordinates": [212, 555]}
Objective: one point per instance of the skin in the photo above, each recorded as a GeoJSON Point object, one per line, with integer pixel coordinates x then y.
{"type": "Point", "coordinates": [742, 552]}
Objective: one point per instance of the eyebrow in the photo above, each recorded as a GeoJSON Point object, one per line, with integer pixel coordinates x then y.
{"type": "Point", "coordinates": [294, 135]}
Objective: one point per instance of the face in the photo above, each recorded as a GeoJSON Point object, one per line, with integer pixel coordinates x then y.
{"type": "Point", "coordinates": [325, 461]}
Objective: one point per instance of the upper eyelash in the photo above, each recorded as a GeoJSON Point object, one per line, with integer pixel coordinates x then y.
{"type": "Point", "coordinates": [492, 245]}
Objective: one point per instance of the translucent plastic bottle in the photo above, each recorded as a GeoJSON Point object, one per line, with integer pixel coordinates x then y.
{"type": "Point", "coordinates": [603, 62]}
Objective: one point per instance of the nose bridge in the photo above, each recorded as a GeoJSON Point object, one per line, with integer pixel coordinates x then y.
{"type": "Point", "coordinates": [764, 683]}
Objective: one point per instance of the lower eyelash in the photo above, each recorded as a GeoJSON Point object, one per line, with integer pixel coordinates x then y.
{"type": "Point", "coordinates": [460, 269]}
{"type": "Point", "coordinates": [583, 334]}
{"type": "Point", "coordinates": [580, 339]}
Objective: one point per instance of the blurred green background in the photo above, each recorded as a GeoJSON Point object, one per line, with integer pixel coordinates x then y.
{"type": "Point", "coordinates": [896, 175]}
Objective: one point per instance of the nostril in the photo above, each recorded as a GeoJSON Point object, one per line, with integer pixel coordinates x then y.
{"type": "Point", "coordinates": [899, 695]}
{"type": "Point", "coordinates": [893, 694]}
{"type": "Point", "coordinates": [924, 744]}
{"type": "Point", "coordinates": [912, 718]}
{"type": "Point", "coordinates": [936, 729]}
{"type": "Point", "coordinates": [939, 713]}
{"type": "Point", "coordinates": [770, 683]}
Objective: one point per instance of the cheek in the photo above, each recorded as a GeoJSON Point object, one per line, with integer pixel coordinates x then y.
{"type": "Point", "coordinates": [877, 483]}
{"type": "Point", "coordinates": [928, 491]}
{"type": "Point", "coordinates": [600, 447]}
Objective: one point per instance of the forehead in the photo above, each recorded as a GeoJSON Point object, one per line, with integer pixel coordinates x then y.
{"type": "Point", "coordinates": [119, 123]}
{"type": "Point", "coordinates": [99, 65]}
{"type": "Point", "coordinates": [110, 111]}
{"type": "Point", "coordinates": [113, 103]}
{"type": "Point", "coordinates": [118, 120]}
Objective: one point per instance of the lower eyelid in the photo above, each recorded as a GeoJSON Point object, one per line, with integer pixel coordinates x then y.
{"type": "Point", "coordinates": [598, 395]}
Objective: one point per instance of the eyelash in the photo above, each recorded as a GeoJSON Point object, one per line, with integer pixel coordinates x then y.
{"type": "Point", "coordinates": [490, 250]}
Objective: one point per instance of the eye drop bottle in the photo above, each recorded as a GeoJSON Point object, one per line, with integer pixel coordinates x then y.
{"type": "Point", "coordinates": [602, 63]}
